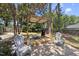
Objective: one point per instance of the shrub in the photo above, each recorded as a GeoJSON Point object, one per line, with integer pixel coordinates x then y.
{"type": "Point", "coordinates": [5, 48]}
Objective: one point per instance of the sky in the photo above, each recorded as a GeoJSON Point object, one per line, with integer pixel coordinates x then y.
{"type": "Point", "coordinates": [69, 8]}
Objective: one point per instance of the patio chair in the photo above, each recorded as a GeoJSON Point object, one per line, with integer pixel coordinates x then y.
{"type": "Point", "coordinates": [59, 40]}
{"type": "Point", "coordinates": [19, 47]}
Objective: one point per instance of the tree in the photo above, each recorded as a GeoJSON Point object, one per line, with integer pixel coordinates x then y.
{"type": "Point", "coordinates": [5, 14]}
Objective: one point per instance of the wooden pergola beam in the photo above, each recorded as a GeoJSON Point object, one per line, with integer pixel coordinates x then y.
{"type": "Point", "coordinates": [38, 19]}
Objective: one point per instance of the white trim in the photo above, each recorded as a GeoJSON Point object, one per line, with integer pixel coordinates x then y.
{"type": "Point", "coordinates": [39, 1]}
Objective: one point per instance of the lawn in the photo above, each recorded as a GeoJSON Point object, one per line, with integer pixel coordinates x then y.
{"type": "Point", "coordinates": [73, 41]}
{"type": "Point", "coordinates": [76, 38]}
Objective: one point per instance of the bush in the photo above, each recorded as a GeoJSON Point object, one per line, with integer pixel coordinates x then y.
{"type": "Point", "coordinates": [32, 27]}
{"type": "Point", "coordinates": [5, 48]}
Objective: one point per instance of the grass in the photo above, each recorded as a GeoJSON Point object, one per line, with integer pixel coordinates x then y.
{"type": "Point", "coordinates": [76, 38]}
{"type": "Point", "coordinates": [73, 41]}
{"type": "Point", "coordinates": [5, 48]}
{"type": "Point", "coordinates": [75, 45]}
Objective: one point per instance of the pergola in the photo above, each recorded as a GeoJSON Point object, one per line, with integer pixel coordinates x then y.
{"type": "Point", "coordinates": [32, 18]}
{"type": "Point", "coordinates": [41, 20]}
{"type": "Point", "coordinates": [37, 19]}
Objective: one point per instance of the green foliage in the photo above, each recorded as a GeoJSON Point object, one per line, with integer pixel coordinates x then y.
{"type": "Point", "coordinates": [5, 49]}
{"type": "Point", "coordinates": [5, 13]}
{"type": "Point", "coordinates": [65, 20]}
{"type": "Point", "coordinates": [25, 10]}
{"type": "Point", "coordinates": [62, 20]}
{"type": "Point", "coordinates": [37, 27]}
{"type": "Point", "coordinates": [31, 27]}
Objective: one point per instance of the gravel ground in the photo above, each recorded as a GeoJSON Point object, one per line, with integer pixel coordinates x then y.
{"type": "Point", "coordinates": [50, 49]}
{"type": "Point", "coordinates": [43, 50]}
{"type": "Point", "coordinates": [53, 50]}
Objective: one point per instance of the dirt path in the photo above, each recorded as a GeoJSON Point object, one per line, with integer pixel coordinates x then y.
{"type": "Point", "coordinates": [6, 36]}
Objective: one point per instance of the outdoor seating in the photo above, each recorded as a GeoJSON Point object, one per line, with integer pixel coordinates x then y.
{"type": "Point", "coordinates": [19, 47]}
{"type": "Point", "coordinates": [59, 40]}
{"type": "Point", "coordinates": [39, 29]}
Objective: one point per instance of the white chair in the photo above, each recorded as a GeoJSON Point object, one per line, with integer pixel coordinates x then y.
{"type": "Point", "coordinates": [19, 47]}
{"type": "Point", "coordinates": [59, 39]}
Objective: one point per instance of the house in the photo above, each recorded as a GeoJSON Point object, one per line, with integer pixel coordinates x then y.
{"type": "Point", "coordinates": [72, 29]}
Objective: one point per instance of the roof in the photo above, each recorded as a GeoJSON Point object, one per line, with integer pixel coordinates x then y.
{"type": "Point", "coordinates": [38, 19]}
{"type": "Point", "coordinates": [73, 27]}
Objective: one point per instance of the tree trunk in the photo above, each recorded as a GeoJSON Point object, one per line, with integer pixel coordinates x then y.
{"type": "Point", "coordinates": [19, 26]}
{"type": "Point", "coordinates": [49, 22]}
{"type": "Point", "coordinates": [14, 18]}
{"type": "Point", "coordinates": [5, 24]}
{"type": "Point", "coordinates": [58, 13]}
{"type": "Point", "coordinates": [15, 29]}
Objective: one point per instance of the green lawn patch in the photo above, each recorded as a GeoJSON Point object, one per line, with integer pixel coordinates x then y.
{"type": "Point", "coordinates": [73, 41]}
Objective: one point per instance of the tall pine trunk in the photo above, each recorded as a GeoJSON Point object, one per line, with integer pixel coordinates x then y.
{"type": "Point", "coordinates": [50, 21]}
{"type": "Point", "coordinates": [58, 13]}
{"type": "Point", "coordinates": [15, 28]}
{"type": "Point", "coordinates": [13, 9]}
